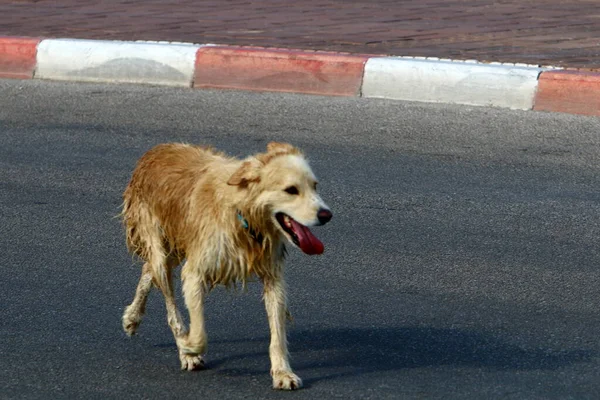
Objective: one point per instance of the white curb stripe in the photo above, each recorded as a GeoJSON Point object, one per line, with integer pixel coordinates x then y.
{"type": "Point", "coordinates": [115, 61]}
{"type": "Point", "coordinates": [451, 82]}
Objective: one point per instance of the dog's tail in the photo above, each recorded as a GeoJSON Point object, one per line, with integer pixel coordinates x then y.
{"type": "Point", "coordinates": [131, 220]}
{"type": "Point", "coordinates": [143, 236]}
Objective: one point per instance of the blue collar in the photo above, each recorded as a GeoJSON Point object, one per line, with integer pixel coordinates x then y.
{"type": "Point", "coordinates": [244, 222]}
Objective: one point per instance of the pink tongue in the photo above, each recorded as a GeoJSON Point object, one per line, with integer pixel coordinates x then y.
{"type": "Point", "coordinates": [308, 242]}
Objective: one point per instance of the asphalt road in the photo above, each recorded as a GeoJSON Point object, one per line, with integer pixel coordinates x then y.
{"type": "Point", "coordinates": [462, 261]}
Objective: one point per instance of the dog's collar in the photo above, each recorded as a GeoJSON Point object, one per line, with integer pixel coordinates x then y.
{"type": "Point", "coordinates": [253, 234]}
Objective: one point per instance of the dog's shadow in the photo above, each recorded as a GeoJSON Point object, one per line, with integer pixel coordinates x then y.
{"type": "Point", "coordinates": [354, 351]}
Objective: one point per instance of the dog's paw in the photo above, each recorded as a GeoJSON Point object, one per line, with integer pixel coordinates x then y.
{"type": "Point", "coordinates": [286, 380]}
{"type": "Point", "coordinates": [131, 321]}
{"type": "Point", "coordinates": [191, 362]}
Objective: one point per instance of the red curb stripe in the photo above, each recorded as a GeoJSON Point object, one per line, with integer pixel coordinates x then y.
{"type": "Point", "coordinates": [279, 70]}
{"type": "Point", "coordinates": [572, 92]}
{"type": "Point", "coordinates": [18, 57]}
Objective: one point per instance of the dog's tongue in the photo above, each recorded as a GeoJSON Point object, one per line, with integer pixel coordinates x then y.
{"type": "Point", "coordinates": [307, 241]}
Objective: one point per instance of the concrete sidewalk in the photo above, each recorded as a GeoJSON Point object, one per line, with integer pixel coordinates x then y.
{"type": "Point", "coordinates": [540, 33]}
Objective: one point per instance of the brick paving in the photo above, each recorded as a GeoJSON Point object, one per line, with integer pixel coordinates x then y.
{"type": "Point", "coordinates": [546, 32]}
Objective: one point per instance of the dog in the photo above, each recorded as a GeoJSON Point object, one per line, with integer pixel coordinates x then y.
{"type": "Point", "coordinates": [225, 220]}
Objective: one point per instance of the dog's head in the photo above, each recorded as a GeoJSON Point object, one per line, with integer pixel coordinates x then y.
{"type": "Point", "coordinates": [282, 183]}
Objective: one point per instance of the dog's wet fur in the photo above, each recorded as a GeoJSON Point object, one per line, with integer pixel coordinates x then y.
{"type": "Point", "coordinates": [225, 220]}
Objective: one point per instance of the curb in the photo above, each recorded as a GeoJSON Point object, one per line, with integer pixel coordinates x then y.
{"type": "Point", "coordinates": [281, 70]}
{"type": "Point", "coordinates": [569, 92]}
{"type": "Point", "coordinates": [451, 82]}
{"type": "Point", "coordinates": [515, 86]}
{"type": "Point", "coordinates": [119, 62]}
{"type": "Point", "coordinates": [18, 57]}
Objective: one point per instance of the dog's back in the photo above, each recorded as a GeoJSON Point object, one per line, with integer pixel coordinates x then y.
{"type": "Point", "coordinates": [160, 193]}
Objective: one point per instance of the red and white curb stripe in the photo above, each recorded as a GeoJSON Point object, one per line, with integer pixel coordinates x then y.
{"type": "Point", "coordinates": [516, 86]}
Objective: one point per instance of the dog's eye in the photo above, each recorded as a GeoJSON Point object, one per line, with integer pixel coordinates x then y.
{"type": "Point", "coordinates": [315, 186]}
{"type": "Point", "coordinates": [292, 190]}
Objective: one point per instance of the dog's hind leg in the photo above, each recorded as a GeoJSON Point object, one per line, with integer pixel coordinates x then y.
{"type": "Point", "coordinates": [134, 312]}
{"type": "Point", "coordinates": [195, 344]}
{"type": "Point", "coordinates": [165, 283]}
{"type": "Point", "coordinates": [275, 303]}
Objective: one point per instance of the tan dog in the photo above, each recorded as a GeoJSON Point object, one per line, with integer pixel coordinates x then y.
{"type": "Point", "coordinates": [228, 219]}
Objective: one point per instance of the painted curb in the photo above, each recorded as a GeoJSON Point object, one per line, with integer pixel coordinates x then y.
{"type": "Point", "coordinates": [516, 86]}
{"type": "Point", "coordinates": [18, 57]}
{"type": "Point", "coordinates": [451, 82]}
{"type": "Point", "coordinates": [280, 70]}
{"type": "Point", "coordinates": [574, 92]}
{"type": "Point", "coordinates": [113, 61]}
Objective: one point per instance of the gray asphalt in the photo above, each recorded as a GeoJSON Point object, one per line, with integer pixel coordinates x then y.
{"type": "Point", "coordinates": [462, 260]}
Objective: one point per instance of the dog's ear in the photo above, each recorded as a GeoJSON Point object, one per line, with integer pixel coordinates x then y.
{"type": "Point", "coordinates": [276, 147]}
{"type": "Point", "coordinates": [248, 172]}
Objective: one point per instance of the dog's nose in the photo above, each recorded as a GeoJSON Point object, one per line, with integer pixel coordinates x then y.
{"type": "Point", "coordinates": [324, 216]}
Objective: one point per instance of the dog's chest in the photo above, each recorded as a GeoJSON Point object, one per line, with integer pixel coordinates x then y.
{"type": "Point", "coordinates": [228, 260]}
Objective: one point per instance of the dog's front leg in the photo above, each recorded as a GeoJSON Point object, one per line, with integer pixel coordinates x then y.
{"type": "Point", "coordinates": [275, 303]}
{"type": "Point", "coordinates": [193, 346]}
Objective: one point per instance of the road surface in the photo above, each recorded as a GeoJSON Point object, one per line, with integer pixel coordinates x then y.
{"type": "Point", "coordinates": [462, 260]}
